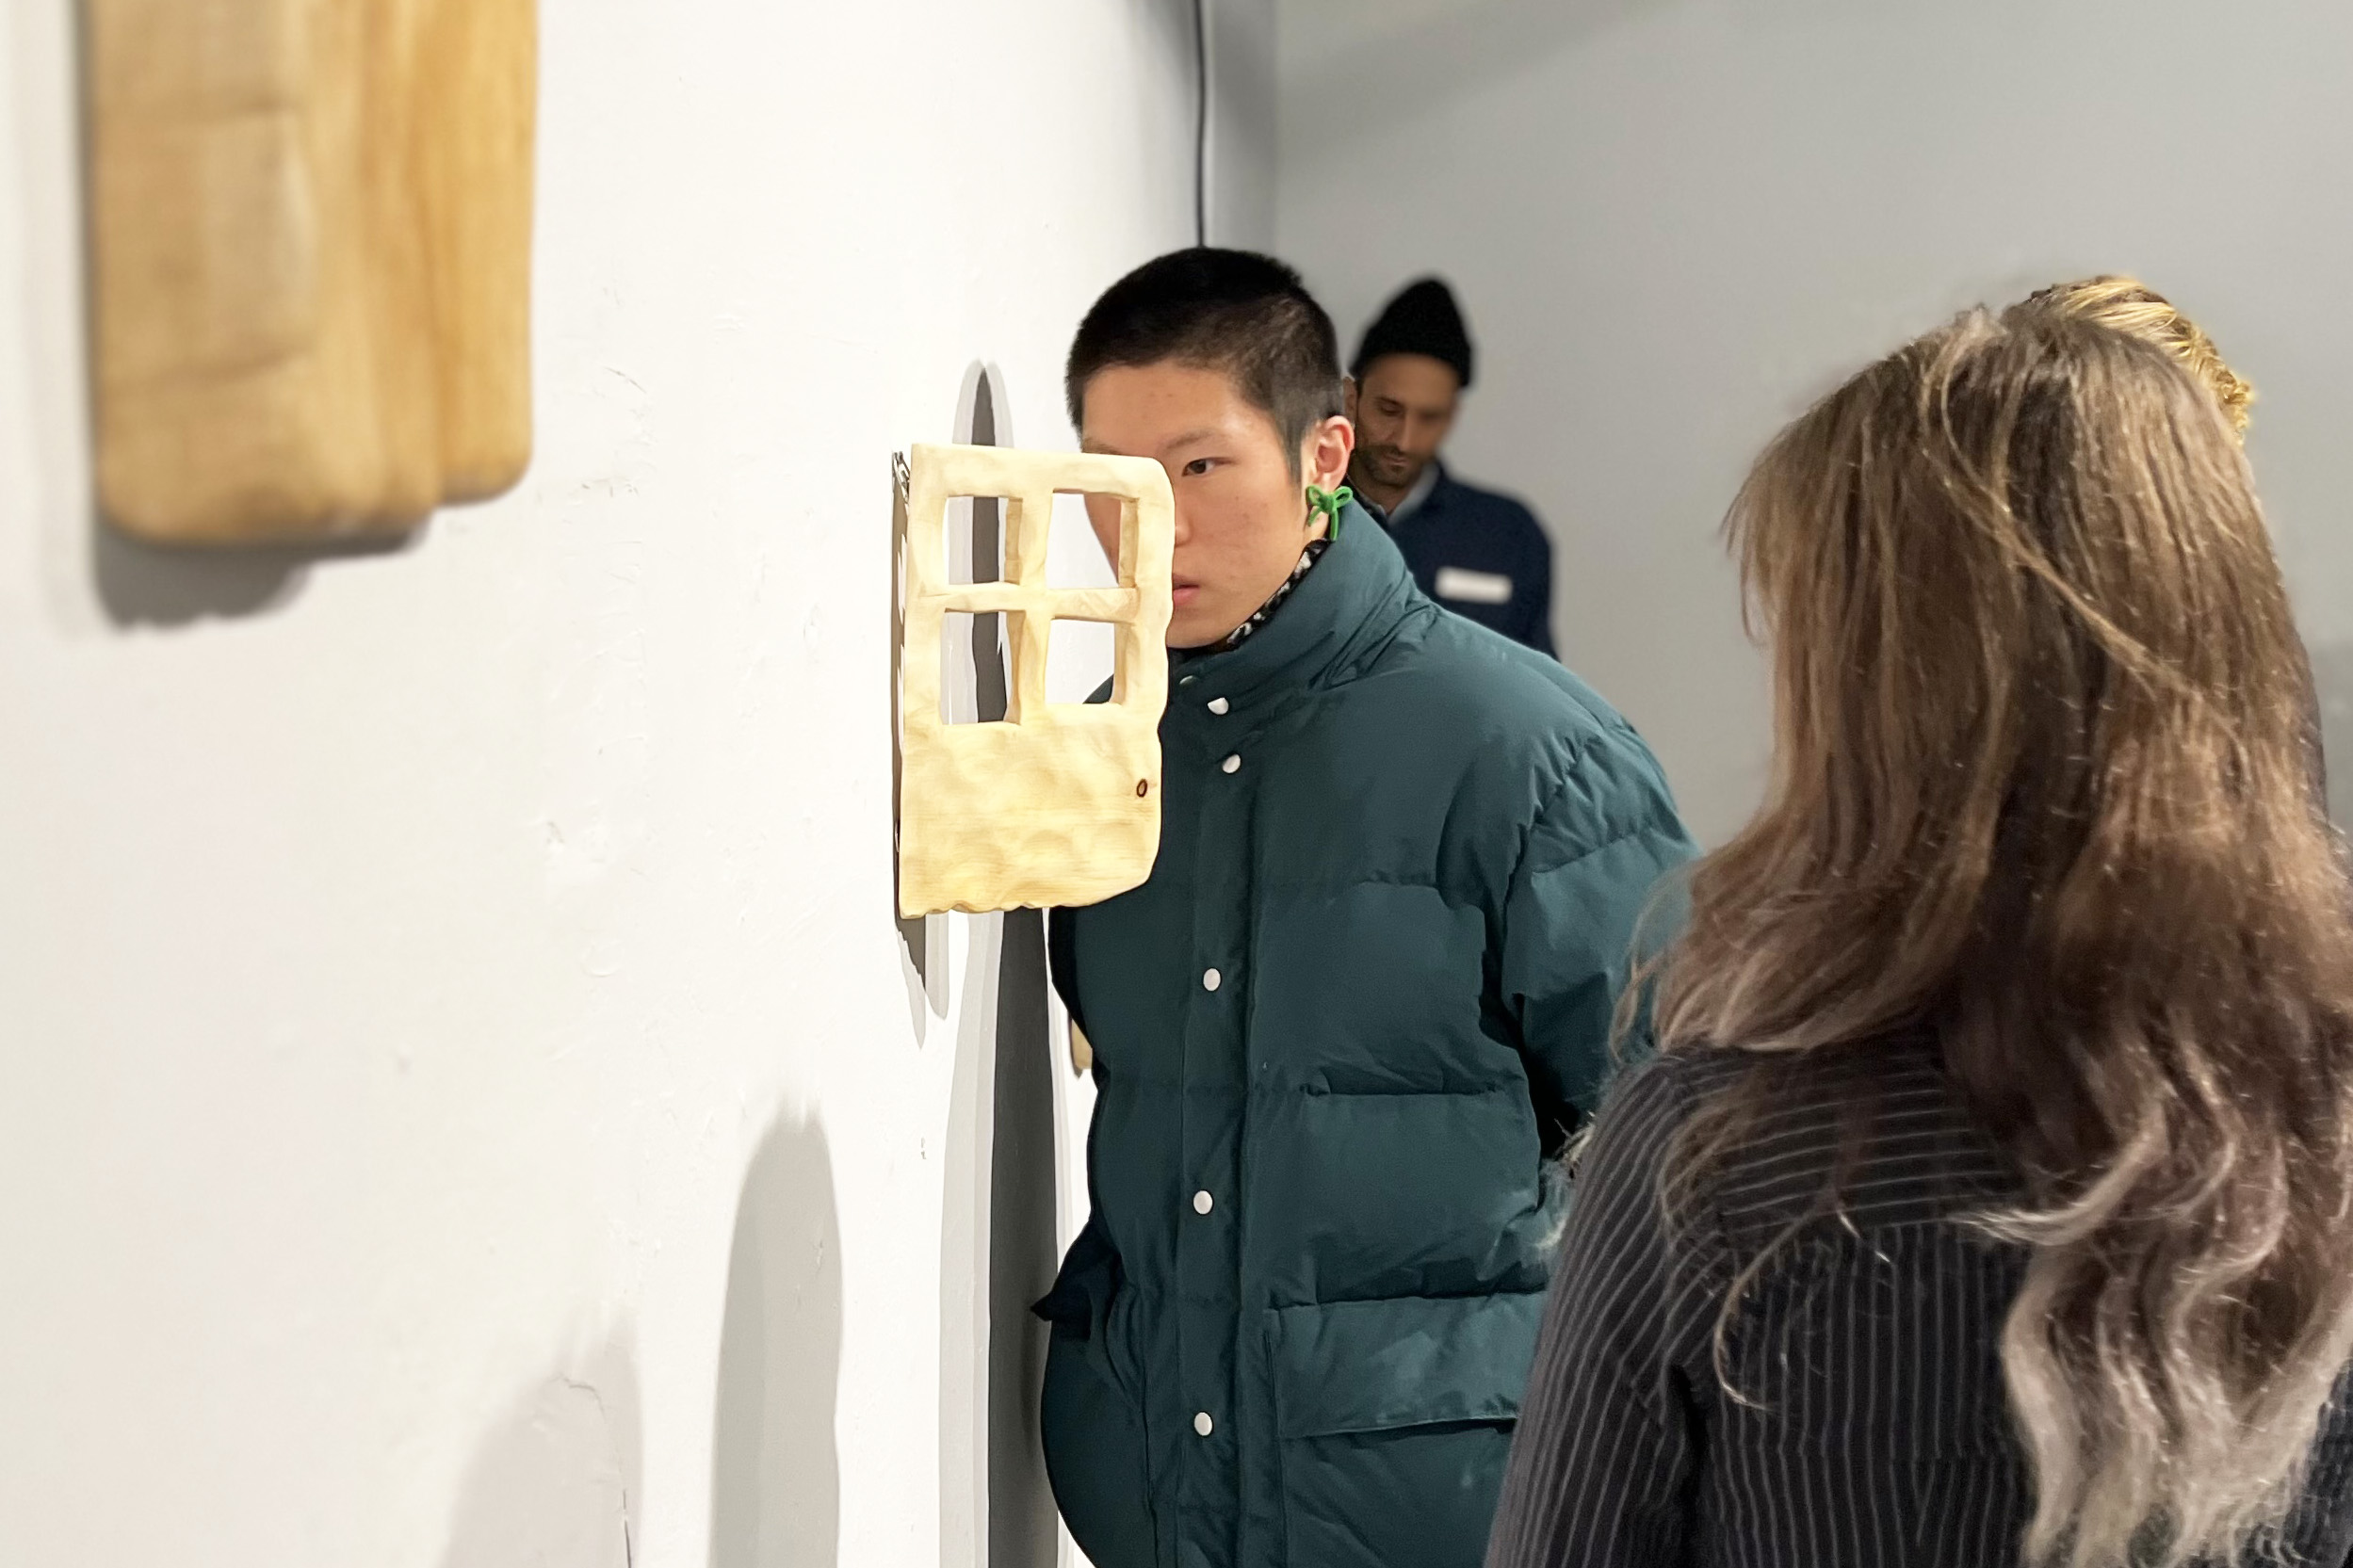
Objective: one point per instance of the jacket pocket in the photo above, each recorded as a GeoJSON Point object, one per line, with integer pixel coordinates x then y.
{"type": "Point", "coordinates": [1091, 1409]}
{"type": "Point", "coordinates": [1095, 1456]}
{"type": "Point", "coordinates": [1394, 1420]}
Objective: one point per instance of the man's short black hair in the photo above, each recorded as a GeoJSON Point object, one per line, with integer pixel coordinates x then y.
{"type": "Point", "coordinates": [1235, 311]}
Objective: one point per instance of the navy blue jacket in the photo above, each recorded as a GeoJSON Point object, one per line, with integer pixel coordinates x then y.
{"type": "Point", "coordinates": [1483, 555]}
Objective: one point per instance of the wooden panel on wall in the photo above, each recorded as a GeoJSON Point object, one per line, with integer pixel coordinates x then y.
{"type": "Point", "coordinates": [311, 227]}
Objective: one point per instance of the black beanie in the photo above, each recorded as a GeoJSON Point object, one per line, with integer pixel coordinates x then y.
{"type": "Point", "coordinates": [1422, 319]}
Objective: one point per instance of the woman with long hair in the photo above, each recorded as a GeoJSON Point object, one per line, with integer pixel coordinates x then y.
{"type": "Point", "coordinates": [2131, 307]}
{"type": "Point", "coordinates": [1990, 1201]}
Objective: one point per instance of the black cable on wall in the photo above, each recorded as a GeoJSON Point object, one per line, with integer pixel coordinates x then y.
{"type": "Point", "coordinates": [1200, 124]}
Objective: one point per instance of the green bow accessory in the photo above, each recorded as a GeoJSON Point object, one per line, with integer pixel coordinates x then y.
{"type": "Point", "coordinates": [1329, 502]}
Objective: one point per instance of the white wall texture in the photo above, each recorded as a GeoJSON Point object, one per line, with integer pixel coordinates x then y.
{"type": "Point", "coordinates": [470, 1104]}
{"type": "Point", "coordinates": [1674, 223]}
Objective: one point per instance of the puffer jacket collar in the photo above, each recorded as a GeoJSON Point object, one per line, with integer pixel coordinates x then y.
{"type": "Point", "coordinates": [1341, 613]}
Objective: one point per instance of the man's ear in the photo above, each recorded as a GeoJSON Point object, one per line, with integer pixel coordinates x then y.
{"type": "Point", "coordinates": [1323, 455]}
{"type": "Point", "coordinates": [1348, 397]}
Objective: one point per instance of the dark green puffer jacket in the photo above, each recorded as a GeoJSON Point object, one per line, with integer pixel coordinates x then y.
{"type": "Point", "coordinates": [1367, 990]}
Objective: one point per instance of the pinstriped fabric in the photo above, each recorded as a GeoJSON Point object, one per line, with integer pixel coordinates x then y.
{"type": "Point", "coordinates": [1871, 1428]}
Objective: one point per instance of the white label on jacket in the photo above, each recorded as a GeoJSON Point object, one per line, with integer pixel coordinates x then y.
{"type": "Point", "coordinates": [1473, 588]}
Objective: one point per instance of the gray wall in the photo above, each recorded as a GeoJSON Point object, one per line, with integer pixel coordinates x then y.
{"type": "Point", "coordinates": [1244, 123]}
{"type": "Point", "coordinates": [1675, 222]}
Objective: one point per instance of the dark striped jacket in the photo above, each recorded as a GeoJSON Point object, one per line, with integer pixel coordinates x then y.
{"type": "Point", "coordinates": [1880, 1433]}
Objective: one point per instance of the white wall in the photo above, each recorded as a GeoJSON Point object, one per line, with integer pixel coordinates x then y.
{"type": "Point", "coordinates": [1674, 223]}
{"type": "Point", "coordinates": [468, 1096]}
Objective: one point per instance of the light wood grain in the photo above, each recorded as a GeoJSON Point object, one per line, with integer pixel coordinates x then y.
{"type": "Point", "coordinates": [310, 223]}
{"type": "Point", "coordinates": [1058, 805]}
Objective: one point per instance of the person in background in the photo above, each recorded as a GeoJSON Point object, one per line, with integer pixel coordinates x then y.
{"type": "Point", "coordinates": [1360, 1003]}
{"type": "Point", "coordinates": [1991, 1200]}
{"type": "Point", "coordinates": [2131, 306]}
{"type": "Point", "coordinates": [1480, 553]}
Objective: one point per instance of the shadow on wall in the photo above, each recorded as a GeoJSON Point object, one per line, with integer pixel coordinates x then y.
{"type": "Point", "coordinates": [2333, 673]}
{"type": "Point", "coordinates": [1022, 1249]}
{"type": "Point", "coordinates": [1170, 21]}
{"type": "Point", "coordinates": [775, 1480]}
{"type": "Point", "coordinates": [149, 585]}
{"type": "Point", "coordinates": [997, 1241]}
{"type": "Point", "coordinates": [557, 1479]}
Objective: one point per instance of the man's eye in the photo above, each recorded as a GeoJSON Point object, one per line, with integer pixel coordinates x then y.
{"type": "Point", "coordinates": [1198, 466]}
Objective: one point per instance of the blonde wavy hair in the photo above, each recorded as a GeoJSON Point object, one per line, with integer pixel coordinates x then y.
{"type": "Point", "coordinates": [2040, 788]}
{"type": "Point", "coordinates": [2128, 305]}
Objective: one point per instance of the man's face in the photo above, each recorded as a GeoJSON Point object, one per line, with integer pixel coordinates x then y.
{"type": "Point", "coordinates": [1241, 514]}
{"type": "Point", "coordinates": [1402, 408]}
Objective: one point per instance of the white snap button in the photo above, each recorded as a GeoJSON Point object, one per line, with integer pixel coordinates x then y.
{"type": "Point", "coordinates": [1231, 764]}
{"type": "Point", "coordinates": [1211, 979]}
{"type": "Point", "coordinates": [1219, 704]}
{"type": "Point", "coordinates": [1203, 1425]}
{"type": "Point", "coordinates": [1203, 1203]}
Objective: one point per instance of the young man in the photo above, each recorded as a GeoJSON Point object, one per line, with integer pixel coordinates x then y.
{"type": "Point", "coordinates": [1477, 553]}
{"type": "Point", "coordinates": [1363, 998]}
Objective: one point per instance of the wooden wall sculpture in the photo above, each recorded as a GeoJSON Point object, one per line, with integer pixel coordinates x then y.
{"type": "Point", "coordinates": [1061, 803]}
{"type": "Point", "coordinates": [311, 226]}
